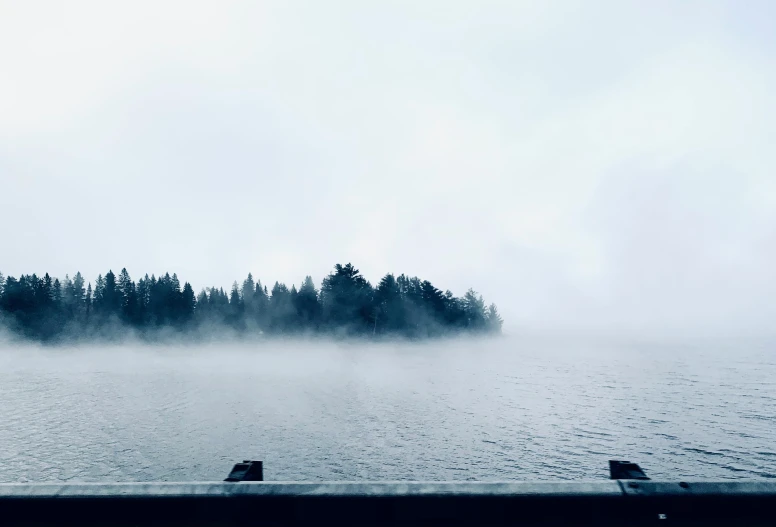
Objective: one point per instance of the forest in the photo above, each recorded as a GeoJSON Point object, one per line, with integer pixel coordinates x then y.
{"type": "Point", "coordinates": [346, 305]}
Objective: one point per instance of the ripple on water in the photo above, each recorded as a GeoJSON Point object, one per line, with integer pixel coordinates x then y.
{"type": "Point", "coordinates": [500, 412]}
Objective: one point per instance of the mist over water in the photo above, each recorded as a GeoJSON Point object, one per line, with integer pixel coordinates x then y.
{"type": "Point", "coordinates": [499, 409]}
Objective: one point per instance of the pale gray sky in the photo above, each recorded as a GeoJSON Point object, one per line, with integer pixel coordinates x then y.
{"type": "Point", "coordinates": [584, 164]}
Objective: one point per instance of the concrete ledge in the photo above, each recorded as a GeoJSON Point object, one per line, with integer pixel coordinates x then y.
{"type": "Point", "coordinates": [390, 504]}
{"type": "Point", "coordinates": [290, 489]}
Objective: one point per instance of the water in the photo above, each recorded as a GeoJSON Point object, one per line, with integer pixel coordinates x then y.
{"type": "Point", "coordinates": [511, 409]}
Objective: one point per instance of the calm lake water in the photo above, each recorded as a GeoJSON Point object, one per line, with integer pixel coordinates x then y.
{"type": "Point", "coordinates": [507, 409]}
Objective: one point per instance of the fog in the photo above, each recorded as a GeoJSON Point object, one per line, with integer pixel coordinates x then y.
{"type": "Point", "coordinates": [483, 409]}
{"type": "Point", "coordinates": [601, 167]}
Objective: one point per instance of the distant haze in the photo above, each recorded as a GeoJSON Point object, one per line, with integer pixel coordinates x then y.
{"type": "Point", "coordinates": [601, 166]}
{"type": "Point", "coordinates": [511, 408]}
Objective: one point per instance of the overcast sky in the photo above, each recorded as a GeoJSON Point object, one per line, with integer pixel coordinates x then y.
{"type": "Point", "coordinates": [582, 164]}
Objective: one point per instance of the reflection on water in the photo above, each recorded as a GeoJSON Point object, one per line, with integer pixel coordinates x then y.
{"type": "Point", "coordinates": [495, 410]}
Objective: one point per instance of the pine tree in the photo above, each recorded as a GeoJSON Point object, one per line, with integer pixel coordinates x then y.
{"type": "Point", "coordinates": [308, 308]}
{"type": "Point", "coordinates": [78, 292]}
{"type": "Point", "coordinates": [415, 323]}
{"type": "Point", "coordinates": [124, 284]}
{"type": "Point", "coordinates": [56, 293]}
{"type": "Point", "coordinates": [111, 297]}
{"type": "Point", "coordinates": [247, 291]}
{"type": "Point", "coordinates": [474, 309]}
{"type": "Point", "coordinates": [281, 309]}
{"type": "Point", "coordinates": [68, 294]}
{"type": "Point", "coordinates": [47, 295]}
{"type": "Point", "coordinates": [88, 301]}
{"type": "Point", "coordinates": [434, 303]}
{"type": "Point", "coordinates": [346, 299]}
{"type": "Point", "coordinates": [175, 299]}
{"type": "Point", "coordinates": [494, 320]}
{"type": "Point", "coordinates": [202, 305]}
{"type": "Point", "coordinates": [143, 293]}
{"type": "Point", "coordinates": [234, 297]}
{"type": "Point", "coordinates": [40, 307]}
{"type": "Point", "coordinates": [390, 313]}
{"type": "Point", "coordinates": [125, 288]}
{"type": "Point", "coordinates": [99, 292]}
{"type": "Point", "coordinates": [454, 312]}
{"type": "Point", "coordinates": [188, 302]}
{"type": "Point", "coordinates": [261, 306]}
{"type": "Point", "coordinates": [236, 306]}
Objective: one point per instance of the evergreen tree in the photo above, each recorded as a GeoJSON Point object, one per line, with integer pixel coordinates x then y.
{"type": "Point", "coordinates": [236, 306]}
{"type": "Point", "coordinates": [126, 291]}
{"type": "Point", "coordinates": [308, 308]}
{"type": "Point", "coordinates": [390, 315]}
{"type": "Point", "coordinates": [73, 293]}
{"type": "Point", "coordinates": [155, 312]}
{"type": "Point", "coordinates": [175, 299]}
{"type": "Point", "coordinates": [47, 292]}
{"type": "Point", "coordinates": [247, 292]}
{"type": "Point", "coordinates": [415, 310]}
{"type": "Point", "coordinates": [99, 290]}
{"type": "Point", "coordinates": [17, 296]}
{"type": "Point", "coordinates": [124, 284]}
{"type": "Point", "coordinates": [41, 307]}
{"type": "Point", "coordinates": [234, 297]}
{"type": "Point", "coordinates": [19, 303]}
{"type": "Point", "coordinates": [202, 305]}
{"type": "Point", "coordinates": [261, 306]}
{"type": "Point", "coordinates": [88, 302]}
{"type": "Point", "coordinates": [454, 312]}
{"type": "Point", "coordinates": [434, 303]}
{"type": "Point", "coordinates": [56, 293]}
{"type": "Point", "coordinates": [131, 308]}
{"type": "Point", "coordinates": [493, 320]}
{"type": "Point", "coordinates": [68, 294]}
{"type": "Point", "coordinates": [111, 296]}
{"type": "Point", "coordinates": [188, 302]}
{"type": "Point", "coordinates": [346, 299]}
{"type": "Point", "coordinates": [78, 291]}
{"type": "Point", "coordinates": [143, 292]}
{"type": "Point", "coordinates": [474, 310]}
{"type": "Point", "coordinates": [281, 309]}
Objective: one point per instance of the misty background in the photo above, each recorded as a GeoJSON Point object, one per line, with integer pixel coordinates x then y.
{"type": "Point", "coordinates": [600, 166]}
{"type": "Point", "coordinates": [602, 171]}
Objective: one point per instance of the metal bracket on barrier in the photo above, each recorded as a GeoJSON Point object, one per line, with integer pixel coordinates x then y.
{"type": "Point", "coordinates": [247, 471]}
{"type": "Point", "coordinates": [625, 470]}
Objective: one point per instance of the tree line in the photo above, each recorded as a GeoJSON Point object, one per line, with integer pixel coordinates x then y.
{"type": "Point", "coordinates": [47, 309]}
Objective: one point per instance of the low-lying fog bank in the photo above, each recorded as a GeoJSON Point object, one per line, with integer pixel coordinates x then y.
{"type": "Point", "coordinates": [485, 409]}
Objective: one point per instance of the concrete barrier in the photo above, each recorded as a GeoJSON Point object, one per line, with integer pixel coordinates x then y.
{"type": "Point", "coordinates": [387, 504]}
